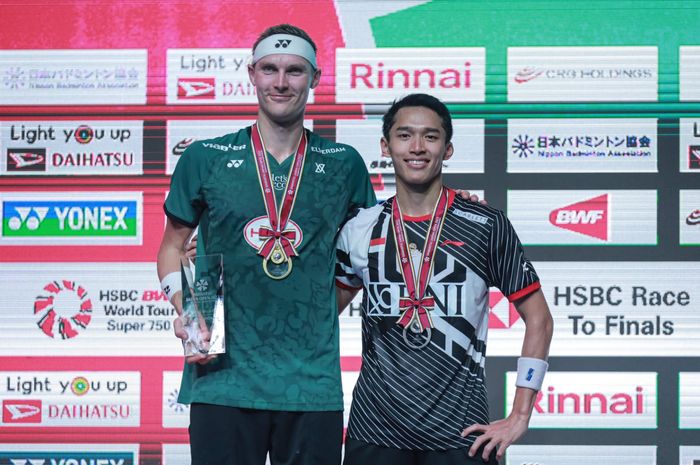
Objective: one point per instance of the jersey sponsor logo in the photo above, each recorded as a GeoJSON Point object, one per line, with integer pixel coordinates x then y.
{"type": "Point", "coordinates": [470, 216]}
{"type": "Point", "coordinates": [21, 411]}
{"type": "Point", "coordinates": [588, 217]}
{"type": "Point", "coordinates": [251, 231]}
{"type": "Point", "coordinates": [196, 88]}
{"type": "Point", "coordinates": [328, 151]}
{"type": "Point", "coordinates": [63, 308]}
{"type": "Point", "coordinates": [320, 168]}
{"type": "Point", "coordinates": [26, 160]}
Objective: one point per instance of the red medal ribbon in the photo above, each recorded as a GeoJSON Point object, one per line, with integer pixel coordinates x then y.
{"type": "Point", "coordinates": [416, 306]}
{"type": "Point", "coordinates": [276, 233]}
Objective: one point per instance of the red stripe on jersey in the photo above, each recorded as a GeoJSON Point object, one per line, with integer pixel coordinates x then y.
{"type": "Point", "coordinates": [524, 291]}
{"type": "Point", "coordinates": [345, 286]}
{"type": "Point", "coordinates": [378, 241]}
{"type": "Point", "coordinates": [450, 199]}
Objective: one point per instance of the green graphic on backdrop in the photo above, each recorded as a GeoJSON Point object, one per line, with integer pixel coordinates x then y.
{"type": "Point", "coordinates": [497, 25]}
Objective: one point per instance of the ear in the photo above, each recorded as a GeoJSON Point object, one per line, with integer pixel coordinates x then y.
{"type": "Point", "coordinates": [315, 79]}
{"type": "Point", "coordinates": [251, 74]}
{"type": "Point", "coordinates": [384, 144]}
{"type": "Point", "coordinates": [449, 150]}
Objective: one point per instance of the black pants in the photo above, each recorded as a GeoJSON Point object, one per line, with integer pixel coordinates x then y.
{"type": "Point", "coordinates": [364, 453]}
{"type": "Point", "coordinates": [237, 436]}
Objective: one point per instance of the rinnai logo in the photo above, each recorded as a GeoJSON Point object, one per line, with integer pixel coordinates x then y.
{"type": "Point", "coordinates": [503, 314]}
{"type": "Point", "coordinates": [26, 159]}
{"type": "Point", "coordinates": [568, 402]}
{"type": "Point", "coordinates": [588, 217]}
{"type": "Point", "coordinates": [377, 76]}
{"type": "Point", "coordinates": [196, 88]}
{"type": "Point", "coordinates": [21, 411]}
{"type": "Point", "coordinates": [527, 74]}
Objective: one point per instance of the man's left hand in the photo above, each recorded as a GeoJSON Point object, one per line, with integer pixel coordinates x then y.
{"type": "Point", "coordinates": [501, 433]}
{"type": "Point", "coordinates": [466, 195]}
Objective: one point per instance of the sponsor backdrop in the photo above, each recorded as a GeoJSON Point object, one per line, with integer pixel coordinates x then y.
{"type": "Point", "coordinates": [582, 123]}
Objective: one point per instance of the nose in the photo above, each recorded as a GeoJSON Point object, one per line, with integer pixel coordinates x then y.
{"type": "Point", "coordinates": [281, 81]}
{"type": "Point", "coordinates": [417, 145]}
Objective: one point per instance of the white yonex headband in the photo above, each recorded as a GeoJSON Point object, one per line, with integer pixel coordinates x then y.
{"type": "Point", "coordinates": [286, 44]}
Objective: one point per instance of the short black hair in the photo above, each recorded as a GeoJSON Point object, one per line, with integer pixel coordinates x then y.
{"type": "Point", "coordinates": [418, 100]}
{"type": "Point", "coordinates": [284, 29]}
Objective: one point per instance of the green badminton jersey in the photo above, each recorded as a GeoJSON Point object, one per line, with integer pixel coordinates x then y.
{"type": "Point", "coordinates": [281, 335]}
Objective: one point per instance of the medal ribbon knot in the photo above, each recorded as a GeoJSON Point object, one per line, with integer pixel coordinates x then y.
{"type": "Point", "coordinates": [416, 309]}
{"type": "Point", "coordinates": [286, 240]}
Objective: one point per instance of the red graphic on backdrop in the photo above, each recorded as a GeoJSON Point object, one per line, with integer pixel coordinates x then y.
{"type": "Point", "coordinates": [588, 217]}
{"type": "Point", "coordinates": [53, 318]}
{"type": "Point", "coordinates": [502, 313]}
{"type": "Point", "coordinates": [21, 411]}
{"type": "Point", "coordinates": [196, 88]}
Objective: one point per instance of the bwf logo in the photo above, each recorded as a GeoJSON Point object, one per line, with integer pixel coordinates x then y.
{"type": "Point", "coordinates": [284, 43]}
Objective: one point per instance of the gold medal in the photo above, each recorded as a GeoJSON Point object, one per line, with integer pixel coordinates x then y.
{"type": "Point", "coordinates": [277, 270]}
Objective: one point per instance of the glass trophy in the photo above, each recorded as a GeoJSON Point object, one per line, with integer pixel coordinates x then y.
{"type": "Point", "coordinates": [203, 304]}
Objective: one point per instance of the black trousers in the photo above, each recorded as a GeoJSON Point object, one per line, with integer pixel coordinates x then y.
{"type": "Point", "coordinates": [222, 435]}
{"type": "Point", "coordinates": [364, 453]}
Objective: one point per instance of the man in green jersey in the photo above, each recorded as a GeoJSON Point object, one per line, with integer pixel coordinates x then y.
{"type": "Point", "coordinates": [270, 191]}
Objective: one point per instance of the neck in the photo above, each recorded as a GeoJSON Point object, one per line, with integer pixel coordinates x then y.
{"type": "Point", "coordinates": [281, 140]}
{"type": "Point", "coordinates": [418, 200]}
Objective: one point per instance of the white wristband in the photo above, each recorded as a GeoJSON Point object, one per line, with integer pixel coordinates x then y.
{"type": "Point", "coordinates": [531, 372]}
{"type": "Point", "coordinates": [171, 284]}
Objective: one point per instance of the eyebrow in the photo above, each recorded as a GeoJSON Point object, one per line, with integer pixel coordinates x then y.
{"type": "Point", "coordinates": [413, 128]}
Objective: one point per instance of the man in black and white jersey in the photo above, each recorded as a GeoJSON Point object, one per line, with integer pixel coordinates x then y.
{"type": "Point", "coordinates": [425, 260]}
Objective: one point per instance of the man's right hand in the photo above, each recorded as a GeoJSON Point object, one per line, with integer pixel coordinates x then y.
{"type": "Point", "coordinates": [181, 333]}
{"type": "Point", "coordinates": [191, 248]}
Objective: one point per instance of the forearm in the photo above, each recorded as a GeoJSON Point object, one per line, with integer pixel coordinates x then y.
{"type": "Point", "coordinates": [170, 254]}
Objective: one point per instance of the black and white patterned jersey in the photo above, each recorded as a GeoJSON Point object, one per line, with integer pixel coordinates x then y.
{"type": "Point", "coordinates": [422, 399]}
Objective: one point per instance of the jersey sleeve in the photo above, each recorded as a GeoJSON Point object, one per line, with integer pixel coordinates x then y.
{"type": "Point", "coordinates": [509, 269]}
{"type": "Point", "coordinates": [361, 191]}
{"type": "Point", "coordinates": [185, 202]}
{"type": "Point", "coordinates": [352, 247]}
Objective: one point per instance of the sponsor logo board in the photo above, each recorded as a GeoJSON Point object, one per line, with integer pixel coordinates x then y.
{"type": "Point", "coordinates": [76, 399]}
{"type": "Point", "coordinates": [380, 75]}
{"type": "Point", "coordinates": [209, 76]}
{"type": "Point", "coordinates": [176, 454]}
{"type": "Point", "coordinates": [72, 147]}
{"type": "Point", "coordinates": [80, 77]}
{"type": "Point", "coordinates": [175, 414]}
{"type": "Point", "coordinates": [689, 455]}
{"type": "Point", "coordinates": [584, 217]}
{"type": "Point", "coordinates": [604, 309]}
{"type": "Point", "coordinates": [582, 74]}
{"type": "Point", "coordinates": [75, 218]}
{"type": "Point", "coordinates": [593, 145]}
{"type": "Point", "coordinates": [96, 309]}
{"type": "Point", "coordinates": [364, 135]}
{"type": "Point", "coordinates": [182, 133]}
{"type": "Point", "coordinates": [689, 73]}
{"type": "Point", "coordinates": [689, 401]}
{"type": "Point", "coordinates": [689, 145]}
{"type": "Point", "coordinates": [591, 399]}
{"type": "Point", "coordinates": [580, 455]}
{"type": "Point", "coordinates": [69, 454]}
{"type": "Point", "coordinates": [689, 217]}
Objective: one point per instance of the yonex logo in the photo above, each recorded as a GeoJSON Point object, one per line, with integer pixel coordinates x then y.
{"type": "Point", "coordinates": [588, 217]}
{"type": "Point", "coordinates": [284, 43]}
{"type": "Point", "coordinates": [234, 163]}
{"type": "Point", "coordinates": [68, 218]}
{"type": "Point", "coordinates": [29, 217]}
